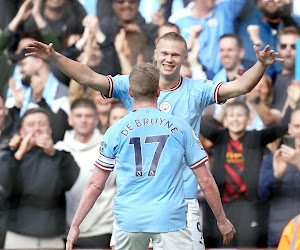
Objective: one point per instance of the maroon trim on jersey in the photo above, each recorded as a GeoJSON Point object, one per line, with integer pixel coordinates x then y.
{"type": "Point", "coordinates": [174, 88]}
{"type": "Point", "coordinates": [105, 168]}
{"type": "Point", "coordinates": [198, 163]}
{"type": "Point", "coordinates": [216, 93]}
{"type": "Point", "coordinates": [110, 88]}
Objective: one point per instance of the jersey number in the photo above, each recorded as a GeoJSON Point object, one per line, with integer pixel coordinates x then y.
{"type": "Point", "coordinates": [136, 142]}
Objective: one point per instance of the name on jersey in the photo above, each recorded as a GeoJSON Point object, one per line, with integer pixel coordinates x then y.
{"type": "Point", "coordinates": [149, 122]}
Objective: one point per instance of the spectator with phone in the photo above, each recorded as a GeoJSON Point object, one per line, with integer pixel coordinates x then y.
{"type": "Point", "coordinates": [279, 181]}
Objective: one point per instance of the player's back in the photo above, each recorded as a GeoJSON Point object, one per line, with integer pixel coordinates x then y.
{"type": "Point", "coordinates": [148, 146]}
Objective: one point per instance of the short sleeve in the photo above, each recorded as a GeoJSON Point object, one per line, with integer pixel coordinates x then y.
{"type": "Point", "coordinates": [118, 88]}
{"type": "Point", "coordinates": [195, 154]}
{"type": "Point", "coordinates": [107, 150]}
{"type": "Point", "coordinates": [206, 92]}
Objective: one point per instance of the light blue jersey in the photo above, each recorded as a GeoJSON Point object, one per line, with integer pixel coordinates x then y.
{"type": "Point", "coordinates": [146, 149]}
{"type": "Point", "coordinates": [187, 100]}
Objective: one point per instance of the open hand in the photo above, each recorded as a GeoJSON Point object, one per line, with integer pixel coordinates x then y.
{"type": "Point", "coordinates": [40, 50]}
{"type": "Point", "coordinates": [266, 56]}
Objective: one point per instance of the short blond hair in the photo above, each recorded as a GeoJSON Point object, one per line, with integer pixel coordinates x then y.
{"type": "Point", "coordinates": [173, 36]}
{"type": "Point", "coordinates": [144, 81]}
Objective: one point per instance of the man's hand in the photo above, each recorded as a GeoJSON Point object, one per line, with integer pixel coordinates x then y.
{"type": "Point", "coordinates": [158, 17]}
{"type": "Point", "coordinates": [37, 15]}
{"type": "Point", "coordinates": [17, 93]}
{"type": "Point", "coordinates": [266, 56]}
{"type": "Point", "coordinates": [290, 155]}
{"type": "Point", "coordinates": [23, 13]}
{"type": "Point", "coordinates": [279, 165]}
{"type": "Point", "coordinates": [227, 230]}
{"type": "Point", "coordinates": [15, 142]}
{"type": "Point", "coordinates": [40, 50]}
{"type": "Point", "coordinates": [45, 142]}
{"type": "Point", "coordinates": [24, 147]}
{"type": "Point", "coordinates": [72, 236]}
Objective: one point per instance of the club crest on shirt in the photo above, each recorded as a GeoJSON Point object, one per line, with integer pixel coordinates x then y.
{"type": "Point", "coordinates": [165, 107]}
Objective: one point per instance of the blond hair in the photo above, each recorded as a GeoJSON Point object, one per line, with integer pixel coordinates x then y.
{"type": "Point", "coordinates": [144, 81]}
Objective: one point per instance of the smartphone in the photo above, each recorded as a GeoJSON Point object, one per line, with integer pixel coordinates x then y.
{"type": "Point", "coordinates": [288, 140]}
{"type": "Point", "coordinates": [297, 64]}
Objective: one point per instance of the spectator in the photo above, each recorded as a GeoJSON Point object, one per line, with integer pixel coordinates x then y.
{"type": "Point", "coordinates": [269, 16]}
{"type": "Point", "coordinates": [215, 20]}
{"type": "Point", "coordinates": [259, 102]}
{"type": "Point", "coordinates": [83, 143]}
{"type": "Point", "coordinates": [14, 43]}
{"type": "Point", "coordinates": [41, 88]}
{"type": "Point", "coordinates": [287, 50]}
{"type": "Point", "coordinates": [36, 176]}
{"type": "Point", "coordinates": [237, 158]}
{"type": "Point", "coordinates": [290, 238]}
{"type": "Point", "coordinates": [279, 182]}
{"type": "Point", "coordinates": [130, 47]}
{"type": "Point", "coordinates": [59, 18]}
{"type": "Point", "coordinates": [117, 112]}
{"type": "Point", "coordinates": [231, 53]}
{"type": "Point", "coordinates": [126, 16]}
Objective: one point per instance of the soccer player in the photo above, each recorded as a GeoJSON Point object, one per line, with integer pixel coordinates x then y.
{"type": "Point", "coordinates": [180, 96]}
{"type": "Point", "coordinates": [146, 148]}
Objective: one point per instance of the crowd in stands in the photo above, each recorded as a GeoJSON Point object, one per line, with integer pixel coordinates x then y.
{"type": "Point", "coordinates": [51, 127]}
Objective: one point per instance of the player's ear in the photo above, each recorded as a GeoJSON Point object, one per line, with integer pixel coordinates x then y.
{"type": "Point", "coordinates": [130, 93]}
{"type": "Point", "coordinates": [70, 121]}
{"type": "Point", "coordinates": [158, 92]}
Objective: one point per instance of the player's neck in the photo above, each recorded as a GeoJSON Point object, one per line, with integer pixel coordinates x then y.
{"type": "Point", "coordinates": [144, 104]}
{"type": "Point", "coordinates": [165, 83]}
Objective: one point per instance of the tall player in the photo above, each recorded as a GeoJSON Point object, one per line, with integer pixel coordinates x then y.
{"type": "Point", "coordinates": [180, 96]}
{"type": "Point", "coordinates": [145, 149]}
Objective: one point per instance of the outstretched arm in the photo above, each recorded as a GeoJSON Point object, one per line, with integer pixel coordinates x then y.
{"type": "Point", "coordinates": [251, 77]}
{"type": "Point", "coordinates": [74, 70]}
{"type": "Point", "coordinates": [212, 196]}
{"type": "Point", "coordinates": [92, 191]}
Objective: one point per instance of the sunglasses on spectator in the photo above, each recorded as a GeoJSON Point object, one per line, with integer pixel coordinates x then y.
{"type": "Point", "coordinates": [284, 46]}
{"type": "Point", "coordinates": [128, 1]}
{"type": "Point", "coordinates": [275, 1]}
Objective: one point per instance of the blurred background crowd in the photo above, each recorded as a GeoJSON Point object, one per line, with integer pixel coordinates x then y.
{"type": "Point", "coordinates": [253, 141]}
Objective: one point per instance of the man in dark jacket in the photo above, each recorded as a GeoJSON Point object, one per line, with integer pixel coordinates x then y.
{"type": "Point", "coordinates": [35, 177]}
{"type": "Point", "coordinates": [126, 16]}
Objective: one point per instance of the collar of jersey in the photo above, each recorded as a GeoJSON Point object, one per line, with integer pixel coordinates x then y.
{"type": "Point", "coordinates": [175, 87]}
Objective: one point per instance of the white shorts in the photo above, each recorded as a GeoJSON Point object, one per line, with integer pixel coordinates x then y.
{"type": "Point", "coordinates": [14, 240]}
{"type": "Point", "coordinates": [176, 240]}
{"type": "Point", "coordinates": [194, 225]}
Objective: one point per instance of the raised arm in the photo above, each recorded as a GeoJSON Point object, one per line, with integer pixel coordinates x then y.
{"type": "Point", "coordinates": [92, 191]}
{"type": "Point", "coordinates": [251, 77]}
{"type": "Point", "coordinates": [74, 70]}
{"type": "Point", "coordinates": [212, 196]}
